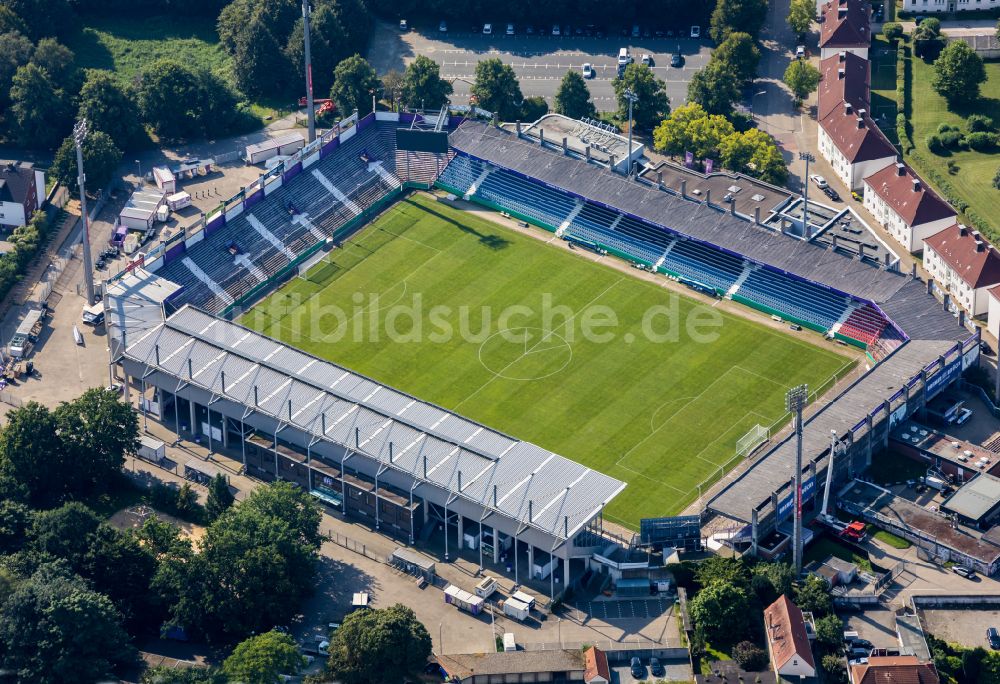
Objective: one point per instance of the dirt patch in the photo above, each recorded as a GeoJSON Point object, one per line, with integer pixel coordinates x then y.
{"type": "Point", "coordinates": [134, 516]}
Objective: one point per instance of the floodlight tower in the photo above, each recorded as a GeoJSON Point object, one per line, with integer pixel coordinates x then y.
{"type": "Point", "coordinates": [806, 157]}
{"type": "Point", "coordinates": [311, 111]}
{"type": "Point", "coordinates": [79, 135]}
{"type": "Point", "coordinates": [632, 99]}
{"type": "Point", "coordinates": [795, 401]}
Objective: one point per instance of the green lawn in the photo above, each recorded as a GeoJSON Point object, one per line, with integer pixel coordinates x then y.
{"type": "Point", "coordinates": [824, 547]}
{"type": "Point", "coordinates": [660, 415]}
{"type": "Point", "coordinates": [891, 539]}
{"type": "Point", "coordinates": [125, 45]}
{"type": "Point", "coordinates": [974, 179]}
{"type": "Point", "coordinates": [883, 90]}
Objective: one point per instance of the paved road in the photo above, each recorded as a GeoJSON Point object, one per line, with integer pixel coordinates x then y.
{"type": "Point", "coordinates": [539, 61]}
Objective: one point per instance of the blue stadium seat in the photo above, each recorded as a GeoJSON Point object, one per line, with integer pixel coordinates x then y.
{"type": "Point", "coordinates": [795, 298]}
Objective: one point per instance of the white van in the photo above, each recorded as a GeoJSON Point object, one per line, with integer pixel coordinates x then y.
{"type": "Point", "coordinates": [623, 57]}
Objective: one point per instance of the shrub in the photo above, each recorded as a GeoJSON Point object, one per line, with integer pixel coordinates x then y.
{"type": "Point", "coordinates": [996, 180]}
{"type": "Point", "coordinates": [979, 122]}
{"type": "Point", "coordinates": [749, 656]}
{"type": "Point", "coordinates": [892, 31]}
{"type": "Point", "coordinates": [952, 167]}
{"type": "Point", "coordinates": [944, 128]}
{"type": "Point", "coordinates": [934, 144]}
{"type": "Point", "coordinates": [981, 140]}
{"type": "Point", "coordinates": [952, 140]}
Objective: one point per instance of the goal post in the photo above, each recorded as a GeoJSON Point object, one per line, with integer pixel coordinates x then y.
{"type": "Point", "coordinates": [303, 268]}
{"type": "Point", "coordinates": [757, 435]}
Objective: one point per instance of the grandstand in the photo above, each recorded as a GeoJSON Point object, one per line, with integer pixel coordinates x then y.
{"type": "Point", "coordinates": [336, 186]}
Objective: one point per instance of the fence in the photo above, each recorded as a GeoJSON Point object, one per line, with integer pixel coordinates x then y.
{"type": "Point", "coordinates": [355, 546]}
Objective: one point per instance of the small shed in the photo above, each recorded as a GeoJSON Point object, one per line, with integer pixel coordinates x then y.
{"type": "Point", "coordinates": [164, 179]}
{"type": "Point", "coordinates": [843, 572]}
{"type": "Point", "coordinates": [139, 212]}
{"type": "Point", "coordinates": [976, 503]}
{"type": "Point", "coordinates": [412, 562]}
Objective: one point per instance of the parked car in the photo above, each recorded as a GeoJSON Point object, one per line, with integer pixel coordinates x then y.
{"type": "Point", "coordinates": [588, 70]}
{"type": "Point", "coordinates": [638, 671]}
{"type": "Point", "coordinates": [647, 60]}
{"type": "Point", "coordinates": [555, 29]}
{"type": "Point", "coordinates": [635, 31]}
{"type": "Point", "coordinates": [993, 638]}
{"type": "Point", "coordinates": [677, 60]}
{"type": "Point", "coordinates": [985, 348]}
{"type": "Point", "coordinates": [696, 32]}
{"type": "Point", "coordinates": [656, 668]}
{"type": "Point", "coordinates": [529, 29]}
{"type": "Point", "coordinates": [818, 180]}
{"type": "Point", "coordinates": [443, 27]}
{"type": "Point", "coordinates": [487, 29]}
{"type": "Point", "coordinates": [800, 52]}
{"type": "Point", "coordinates": [510, 29]}
{"type": "Point", "coordinates": [967, 573]}
{"type": "Point", "coordinates": [831, 193]}
{"type": "Point", "coordinates": [962, 416]}
{"type": "Point", "coordinates": [403, 26]}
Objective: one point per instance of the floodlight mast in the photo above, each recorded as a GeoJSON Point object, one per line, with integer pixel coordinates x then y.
{"type": "Point", "coordinates": [310, 107]}
{"type": "Point", "coordinates": [79, 136]}
{"type": "Point", "coordinates": [795, 401]}
{"type": "Point", "coordinates": [632, 99]}
{"type": "Point", "coordinates": [829, 473]}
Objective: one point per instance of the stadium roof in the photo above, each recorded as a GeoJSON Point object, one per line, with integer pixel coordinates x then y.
{"type": "Point", "coordinates": [461, 456]}
{"type": "Point", "coordinates": [777, 467]}
{"type": "Point", "coordinates": [688, 217]}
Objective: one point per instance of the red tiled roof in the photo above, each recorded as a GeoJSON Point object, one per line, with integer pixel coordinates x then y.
{"type": "Point", "coordinates": [977, 264]}
{"type": "Point", "coordinates": [844, 77]}
{"type": "Point", "coordinates": [845, 24]}
{"type": "Point", "coordinates": [786, 633]}
{"type": "Point", "coordinates": [894, 670]}
{"type": "Point", "coordinates": [908, 195]}
{"type": "Point", "coordinates": [595, 664]}
{"type": "Point", "coordinates": [995, 291]}
{"type": "Point", "coordinates": [856, 136]}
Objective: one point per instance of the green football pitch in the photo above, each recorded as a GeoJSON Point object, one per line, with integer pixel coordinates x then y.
{"type": "Point", "coordinates": [582, 359]}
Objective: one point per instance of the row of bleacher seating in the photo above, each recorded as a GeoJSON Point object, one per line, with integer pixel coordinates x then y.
{"type": "Point", "coordinates": [344, 168]}
{"type": "Point", "coordinates": [421, 167]}
{"type": "Point", "coordinates": [865, 324]}
{"type": "Point", "coordinates": [645, 242]}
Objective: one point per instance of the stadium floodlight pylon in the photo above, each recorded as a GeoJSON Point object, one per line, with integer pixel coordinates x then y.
{"type": "Point", "coordinates": [795, 401]}
{"type": "Point", "coordinates": [310, 105]}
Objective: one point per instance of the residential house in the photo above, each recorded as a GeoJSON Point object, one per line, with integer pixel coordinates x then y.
{"type": "Point", "coordinates": [993, 313]}
{"type": "Point", "coordinates": [904, 205]}
{"type": "Point", "coordinates": [965, 265]}
{"type": "Point", "coordinates": [844, 77]}
{"type": "Point", "coordinates": [928, 6]}
{"type": "Point", "coordinates": [788, 640]}
{"type": "Point", "coordinates": [894, 669]}
{"type": "Point", "coordinates": [595, 666]}
{"type": "Point", "coordinates": [853, 144]}
{"type": "Point", "coordinates": [22, 192]}
{"type": "Point", "coordinates": [845, 25]}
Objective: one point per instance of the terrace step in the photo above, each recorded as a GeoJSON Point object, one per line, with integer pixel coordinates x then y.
{"type": "Point", "coordinates": [569, 219]}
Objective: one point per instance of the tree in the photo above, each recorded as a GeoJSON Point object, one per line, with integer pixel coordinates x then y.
{"type": "Point", "coordinates": [892, 31]}
{"type": "Point", "coordinates": [754, 153]}
{"type": "Point", "coordinates": [258, 58]}
{"type": "Point", "coordinates": [10, 22]}
{"type": "Point", "coordinates": [354, 83]}
{"type": "Point", "coordinates": [834, 666]}
{"type": "Point", "coordinates": [802, 78]}
{"type": "Point", "coordinates": [800, 16]}
{"type": "Point", "coordinates": [161, 674]}
{"type": "Point", "coordinates": [170, 99]}
{"type": "Point", "coordinates": [721, 610]}
{"type": "Point", "coordinates": [774, 579]}
{"type": "Point", "coordinates": [220, 497]}
{"type": "Point", "coordinates": [716, 88]}
{"type": "Point", "coordinates": [109, 108]}
{"type": "Point", "coordinates": [749, 656]}
{"type": "Point", "coordinates": [31, 455]}
{"type": "Point", "coordinates": [496, 89]}
{"type": "Point", "coordinates": [42, 18]}
{"type": "Point", "coordinates": [260, 659]}
{"type": "Point", "coordinates": [690, 129]}
{"type": "Point", "coordinates": [98, 429]}
{"type": "Point", "coordinates": [55, 630]}
{"type": "Point", "coordinates": [101, 158]}
{"type": "Point", "coordinates": [829, 630]}
{"type": "Point", "coordinates": [926, 38]}
{"type": "Point", "coordinates": [958, 73]}
{"type": "Point", "coordinates": [573, 97]}
{"type": "Point", "coordinates": [737, 15]}
{"type": "Point", "coordinates": [39, 113]}
{"type": "Point", "coordinates": [652, 103]}
{"type": "Point", "coordinates": [423, 86]}
{"type": "Point", "coordinates": [15, 521]}
{"type": "Point", "coordinates": [255, 564]}
{"type": "Point", "coordinates": [392, 88]}
{"type": "Point", "coordinates": [740, 52]}
{"type": "Point", "coordinates": [813, 596]}
{"type": "Point", "coordinates": [534, 108]}
{"type": "Point", "coordinates": [328, 45]}
{"type": "Point", "coordinates": [58, 62]}
{"type": "Point", "coordinates": [382, 645]}
{"type": "Point", "coordinates": [15, 52]}
{"type": "Point", "coordinates": [722, 570]}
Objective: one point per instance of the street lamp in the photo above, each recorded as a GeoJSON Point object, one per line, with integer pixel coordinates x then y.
{"type": "Point", "coordinates": [807, 157]}
{"type": "Point", "coordinates": [632, 98]}
{"type": "Point", "coordinates": [762, 92]}
{"type": "Point", "coordinates": [138, 163]}
{"type": "Point", "coordinates": [79, 135]}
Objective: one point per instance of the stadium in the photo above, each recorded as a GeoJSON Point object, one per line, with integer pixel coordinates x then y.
{"type": "Point", "coordinates": [287, 330]}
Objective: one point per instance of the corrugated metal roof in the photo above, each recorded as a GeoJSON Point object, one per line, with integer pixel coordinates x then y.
{"type": "Point", "coordinates": [463, 457]}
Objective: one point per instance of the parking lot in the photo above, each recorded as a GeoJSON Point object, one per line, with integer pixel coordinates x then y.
{"type": "Point", "coordinates": [625, 609]}
{"type": "Point", "coordinates": [540, 62]}
{"type": "Point", "coordinates": [965, 626]}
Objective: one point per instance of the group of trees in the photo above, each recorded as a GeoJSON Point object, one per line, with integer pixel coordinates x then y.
{"type": "Point", "coordinates": [958, 74]}
{"type": "Point", "coordinates": [74, 590]}
{"type": "Point", "coordinates": [964, 665]}
{"type": "Point", "coordinates": [691, 128]}
{"type": "Point", "coordinates": [265, 40]}
{"type": "Point", "coordinates": [730, 595]}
